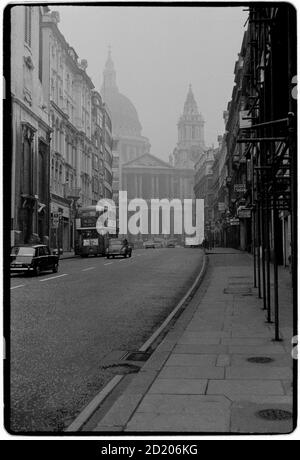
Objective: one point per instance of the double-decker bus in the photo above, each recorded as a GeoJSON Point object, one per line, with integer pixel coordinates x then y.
{"type": "Point", "coordinates": [88, 241]}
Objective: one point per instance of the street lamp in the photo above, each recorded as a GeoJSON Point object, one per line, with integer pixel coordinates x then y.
{"type": "Point", "coordinates": [73, 195]}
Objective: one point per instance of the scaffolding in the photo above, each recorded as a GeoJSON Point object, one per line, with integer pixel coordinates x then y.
{"type": "Point", "coordinates": [270, 145]}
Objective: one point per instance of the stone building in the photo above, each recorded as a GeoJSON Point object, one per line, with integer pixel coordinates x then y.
{"type": "Point", "coordinates": [190, 144]}
{"type": "Point", "coordinates": [30, 200]}
{"type": "Point", "coordinates": [98, 154]}
{"type": "Point", "coordinates": [203, 186]}
{"type": "Point", "coordinates": [150, 177]}
{"type": "Point", "coordinates": [127, 130]}
{"type": "Point", "coordinates": [220, 221]}
{"type": "Point", "coordinates": [81, 146]}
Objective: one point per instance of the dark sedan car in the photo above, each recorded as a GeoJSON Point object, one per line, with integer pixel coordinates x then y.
{"type": "Point", "coordinates": [171, 244]}
{"type": "Point", "coordinates": [32, 259]}
{"type": "Point", "coordinates": [118, 248]}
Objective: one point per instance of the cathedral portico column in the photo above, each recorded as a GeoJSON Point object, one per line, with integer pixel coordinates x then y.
{"type": "Point", "coordinates": [122, 181]}
{"type": "Point", "coordinates": [172, 186]}
{"type": "Point", "coordinates": [153, 187]}
{"type": "Point", "coordinates": [136, 191]}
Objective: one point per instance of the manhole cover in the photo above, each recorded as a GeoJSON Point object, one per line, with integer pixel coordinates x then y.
{"type": "Point", "coordinates": [260, 360]}
{"type": "Point", "coordinates": [274, 414]}
{"type": "Point", "coordinates": [137, 356]}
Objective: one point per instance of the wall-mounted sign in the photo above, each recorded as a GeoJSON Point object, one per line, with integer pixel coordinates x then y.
{"type": "Point", "coordinates": [234, 222]}
{"type": "Point", "coordinates": [245, 119]}
{"type": "Point", "coordinates": [244, 213]}
{"type": "Point", "coordinates": [55, 220]}
{"type": "Point", "coordinates": [221, 207]}
{"type": "Point", "coordinates": [240, 188]}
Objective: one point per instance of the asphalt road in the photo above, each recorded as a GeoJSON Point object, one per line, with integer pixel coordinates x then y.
{"type": "Point", "coordinates": [68, 329]}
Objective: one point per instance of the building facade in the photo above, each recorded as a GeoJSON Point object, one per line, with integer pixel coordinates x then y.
{"type": "Point", "coordinates": [81, 146]}
{"type": "Point", "coordinates": [220, 201]}
{"type": "Point", "coordinates": [255, 169]}
{"type": "Point", "coordinates": [148, 177]}
{"type": "Point", "coordinates": [203, 188]}
{"type": "Point", "coordinates": [31, 131]}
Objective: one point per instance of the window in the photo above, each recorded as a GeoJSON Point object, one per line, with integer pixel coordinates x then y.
{"type": "Point", "coordinates": [27, 168]}
{"type": "Point", "coordinates": [28, 14]}
{"type": "Point", "coordinates": [40, 251]}
{"type": "Point", "coordinates": [74, 157]}
{"type": "Point", "coordinates": [42, 175]}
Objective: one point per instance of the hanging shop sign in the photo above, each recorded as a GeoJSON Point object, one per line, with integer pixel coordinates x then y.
{"type": "Point", "coordinates": [55, 220]}
{"type": "Point", "coordinates": [240, 188]}
{"type": "Point", "coordinates": [245, 120]}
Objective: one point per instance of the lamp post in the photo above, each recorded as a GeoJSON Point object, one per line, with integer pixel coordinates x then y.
{"type": "Point", "coordinates": [73, 195]}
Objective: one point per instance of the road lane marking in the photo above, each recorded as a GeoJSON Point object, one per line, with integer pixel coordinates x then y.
{"type": "Point", "coordinates": [109, 263]}
{"type": "Point", "coordinates": [54, 277]}
{"type": "Point", "coordinates": [89, 268]}
{"type": "Point", "coordinates": [15, 287]}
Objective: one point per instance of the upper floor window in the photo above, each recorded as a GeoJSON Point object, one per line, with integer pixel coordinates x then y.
{"type": "Point", "coordinates": [28, 16]}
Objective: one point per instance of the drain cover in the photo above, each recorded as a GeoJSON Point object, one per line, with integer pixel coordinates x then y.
{"type": "Point", "coordinates": [137, 356]}
{"type": "Point", "coordinates": [122, 368]}
{"type": "Point", "coordinates": [274, 414]}
{"type": "Point", "coordinates": [260, 360]}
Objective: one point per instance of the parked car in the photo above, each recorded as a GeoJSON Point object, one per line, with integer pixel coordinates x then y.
{"type": "Point", "coordinates": [154, 244]}
{"type": "Point", "coordinates": [171, 244]}
{"type": "Point", "coordinates": [149, 244]}
{"type": "Point", "coordinates": [117, 247]}
{"type": "Point", "coordinates": [32, 259]}
{"type": "Point", "coordinates": [159, 243]}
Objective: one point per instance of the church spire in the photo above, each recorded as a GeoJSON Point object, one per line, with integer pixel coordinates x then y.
{"type": "Point", "coordinates": [190, 143]}
{"type": "Point", "coordinates": [190, 105]}
{"type": "Point", "coordinates": [109, 74]}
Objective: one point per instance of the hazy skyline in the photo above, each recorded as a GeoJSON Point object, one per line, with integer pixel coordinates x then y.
{"type": "Point", "coordinates": [158, 52]}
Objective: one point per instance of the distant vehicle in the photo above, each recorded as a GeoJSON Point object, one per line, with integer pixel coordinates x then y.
{"type": "Point", "coordinates": [160, 242]}
{"type": "Point", "coordinates": [33, 259]}
{"type": "Point", "coordinates": [88, 240]}
{"type": "Point", "coordinates": [171, 244]}
{"type": "Point", "coordinates": [192, 242]}
{"type": "Point", "coordinates": [149, 244]}
{"type": "Point", "coordinates": [117, 247]}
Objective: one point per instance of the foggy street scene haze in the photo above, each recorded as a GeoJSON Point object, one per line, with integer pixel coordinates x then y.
{"type": "Point", "coordinates": [152, 262]}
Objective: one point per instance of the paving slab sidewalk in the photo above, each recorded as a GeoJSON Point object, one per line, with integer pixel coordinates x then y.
{"type": "Point", "coordinates": [199, 379]}
{"type": "Point", "coordinates": [68, 255]}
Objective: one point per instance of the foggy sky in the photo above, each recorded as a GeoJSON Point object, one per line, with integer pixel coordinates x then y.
{"type": "Point", "coordinates": [157, 52]}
